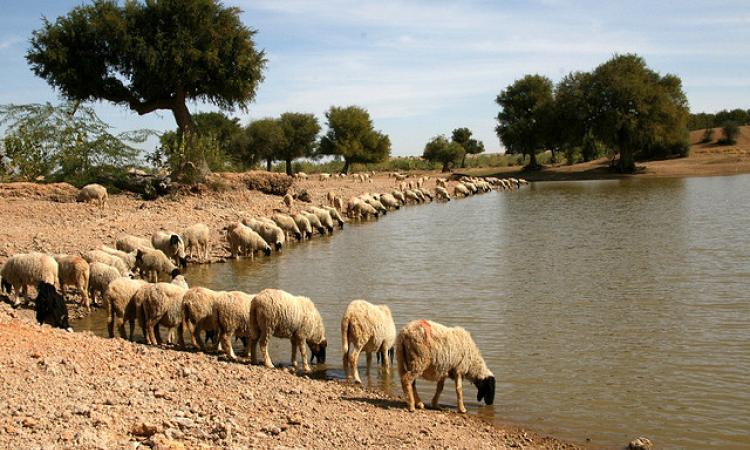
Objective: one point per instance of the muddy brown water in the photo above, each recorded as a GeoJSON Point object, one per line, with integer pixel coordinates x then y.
{"type": "Point", "coordinates": [606, 309]}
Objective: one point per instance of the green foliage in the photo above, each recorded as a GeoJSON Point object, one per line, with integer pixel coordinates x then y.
{"type": "Point", "coordinates": [700, 121]}
{"type": "Point", "coordinates": [731, 131]}
{"type": "Point", "coordinates": [637, 110]}
{"type": "Point", "coordinates": [67, 142]}
{"type": "Point", "coordinates": [471, 146]}
{"type": "Point", "coordinates": [211, 129]}
{"type": "Point", "coordinates": [708, 136]}
{"type": "Point", "coordinates": [439, 149]}
{"type": "Point", "coordinates": [300, 135]}
{"type": "Point", "coordinates": [265, 140]}
{"type": "Point", "coordinates": [523, 118]}
{"type": "Point", "coordinates": [178, 150]}
{"type": "Point", "coordinates": [150, 56]}
{"type": "Point", "coordinates": [351, 135]}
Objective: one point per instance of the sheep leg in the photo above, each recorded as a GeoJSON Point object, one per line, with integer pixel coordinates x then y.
{"type": "Point", "coordinates": [460, 395]}
{"type": "Point", "coordinates": [226, 343]}
{"type": "Point", "coordinates": [253, 343]}
{"type": "Point", "coordinates": [303, 353]}
{"type": "Point", "coordinates": [120, 325]}
{"type": "Point", "coordinates": [181, 336]}
{"type": "Point", "coordinates": [369, 364]}
{"type": "Point", "coordinates": [409, 390]}
{"type": "Point", "coordinates": [347, 369]}
{"type": "Point", "coordinates": [294, 352]}
{"type": "Point", "coordinates": [438, 391]}
{"type": "Point", "coordinates": [420, 403]}
{"type": "Point", "coordinates": [353, 358]}
{"type": "Point", "coordinates": [149, 332]}
{"type": "Point", "coordinates": [265, 336]}
{"type": "Point", "coordinates": [156, 332]}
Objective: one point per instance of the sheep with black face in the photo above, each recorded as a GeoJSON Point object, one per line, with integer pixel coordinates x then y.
{"type": "Point", "coordinates": [50, 307]}
{"type": "Point", "coordinates": [436, 352]}
{"type": "Point", "coordinates": [171, 244]}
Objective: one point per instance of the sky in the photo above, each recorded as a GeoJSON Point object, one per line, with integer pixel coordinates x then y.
{"type": "Point", "coordinates": [425, 67]}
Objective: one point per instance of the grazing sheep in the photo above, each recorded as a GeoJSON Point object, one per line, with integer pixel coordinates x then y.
{"type": "Point", "coordinates": [244, 241]}
{"type": "Point", "coordinates": [412, 196]}
{"type": "Point", "coordinates": [398, 195]}
{"type": "Point", "coordinates": [199, 313]}
{"type": "Point", "coordinates": [471, 186]}
{"type": "Point", "coordinates": [162, 305]}
{"type": "Point", "coordinates": [461, 190]}
{"type": "Point", "coordinates": [314, 222]}
{"type": "Point", "coordinates": [436, 352]}
{"type": "Point", "coordinates": [389, 201]}
{"type": "Point", "coordinates": [153, 262]}
{"type": "Point", "coordinates": [74, 270]}
{"type": "Point", "coordinates": [442, 193]}
{"type": "Point", "coordinates": [268, 230]}
{"type": "Point", "coordinates": [121, 307]}
{"type": "Point", "coordinates": [331, 197]}
{"type": "Point", "coordinates": [105, 258]}
{"type": "Point", "coordinates": [324, 176]}
{"type": "Point", "coordinates": [324, 217]}
{"type": "Point", "coordinates": [197, 238]}
{"type": "Point", "coordinates": [50, 307]}
{"type": "Point", "coordinates": [399, 176]}
{"type": "Point", "coordinates": [95, 193]}
{"type": "Point", "coordinates": [288, 200]}
{"type": "Point", "coordinates": [335, 215]}
{"type": "Point", "coordinates": [441, 182]}
{"type": "Point", "coordinates": [277, 313]}
{"type": "Point", "coordinates": [303, 224]}
{"type": "Point", "coordinates": [369, 328]}
{"type": "Point", "coordinates": [338, 203]}
{"type": "Point", "coordinates": [287, 224]}
{"type": "Point", "coordinates": [127, 258]}
{"type": "Point", "coordinates": [100, 276]}
{"type": "Point", "coordinates": [233, 318]}
{"type": "Point", "coordinates": [27, 269]}
{"type": "Point", "coordinates": [129, 244]}
{"type": "Point", "coordinates": [171, 244]}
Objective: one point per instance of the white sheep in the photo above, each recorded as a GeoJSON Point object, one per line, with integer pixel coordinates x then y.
{"type": "Point", "coordinates": [233, 318]}
{"type": "Point", "coordinates": [389, 201]}
{"type": "Point", "coordinates": [171, 244]}
{"type": "Point", "coordinates": [331, 197]}
{"type": "Point", "coordinates": [197, 238]}
{"type": "Point", "coordinates": [281, 314]}
{"type": "Point", "coordinates": [95, 193]}
{"type": "Point", "coordinates": [412, 196]}
{"type": "Point", "coordinates": [100, 276]}
{"type": "Point", "coordinates": [335, 215]}
{"type": "Point", "coordinates": [199, 313]}
{"type": "Point", "coordinates": [324, 176]}
{"type": "Point", "coordinates": [74, 270]}
{"type": "Point", "coordinates": [369, 328]}
{"type": "Point", "coordinates": [28, 269]}
{"type": "Point", "coordinates": [303, 224]}
{"type": "Point", "coordinates": [269, 231]}
{"type": "Point", "coordinates": [129, 244]}
{"type": "Point", "coordinates": [436, 352]}
{"type": "Point", "coordinates": [314, 222]}
{"type": "Point", "coordinates": [162, 305]}
{"type": "Point", "coordinates": [151, 263]}
{"type": "Point", "coordinates": [323, 216]}
{"type": "Point", "coordinates": [461, 190]}
{"type": "Point", "coordinates": [245, 241]}
{"type": "Point", "coordinates": [127, 258]}
{"type": "Point", "coordinates": [287, 224]}
{"type": "Point", "coordinates": [108, 259]}
{"type": "Point", "coordinates": [442, 193]}
{"type": "Point", "coordinates": [121, 306]}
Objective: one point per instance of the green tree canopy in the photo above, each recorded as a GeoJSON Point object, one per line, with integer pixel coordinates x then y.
{"type": "Point", "coordinates": [636, 109]}
{"type": "Point", "coordinates": [471, 146]}
{"type": "Point", "coordinates": [150, 55]}
{"type": "Point", "coordinates": [300, 136]}
{"type": "Point", "coordinates": [524, 114]}
{"type": "Point", "coordinates": [351, 135]}
{"type": "Point", "coordinates": [439, 149]}
{"type": "Point", "coordinates": [67, 141]}
{"type": "Point", "coordinates": [265, 140]}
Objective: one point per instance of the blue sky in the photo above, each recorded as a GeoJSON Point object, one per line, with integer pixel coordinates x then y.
{"type": "Point", "coordinates": [424, 67]}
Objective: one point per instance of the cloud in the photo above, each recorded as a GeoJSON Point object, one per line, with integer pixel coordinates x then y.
{"type": "Point", "coordinates": [9, 42]}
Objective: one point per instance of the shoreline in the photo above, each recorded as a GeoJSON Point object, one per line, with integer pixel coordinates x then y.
{"type": "Point", "coordinates": [32, 218]}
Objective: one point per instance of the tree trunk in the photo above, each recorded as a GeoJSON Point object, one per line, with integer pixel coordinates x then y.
{"type": "Point", "coordinates": [269, 164]}
{"type": "Point", "coordinates": [554, 156]}
{"type": "Point", "coordinates": [289, 167]}
{"type": "Point", "coordinates": [626, 164]}
{"type": "Point", "coordinates": [463, 161]}
{"type": "Point", "coordinates": [345, 170]}
{"type": "Point", "coordinates": [533, 164]}
{"type": "Point", "coordinates": [445, 167]}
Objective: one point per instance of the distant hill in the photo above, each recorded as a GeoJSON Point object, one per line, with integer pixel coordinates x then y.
{"type": "Point", "coordinates": [742, 147]}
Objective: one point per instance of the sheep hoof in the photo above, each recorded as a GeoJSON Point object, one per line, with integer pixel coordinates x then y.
{"type": "Point", "coordinates": [462, 410]}
{"type": "Point", "coordinates": [411, 409]}
{"type": "Point", "coordinates": [420, 405]}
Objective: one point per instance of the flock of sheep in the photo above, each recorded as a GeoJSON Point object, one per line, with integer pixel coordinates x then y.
{"type": "Point", "coordinates": [422, 348]}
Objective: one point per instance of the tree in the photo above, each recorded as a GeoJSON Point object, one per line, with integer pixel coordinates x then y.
{"type": "Point", "coordinates": [300, 134]}
{"type": "Point", "coordinates": [224, 132]}
{"type": "Point", "coordinates": [265, 139]}
{"type": "Point", "coordinates": [637, 109]}
{"type": "Point", "coordinates": [569, 121]}
{"type": "Point", "coordinates": [351, 135]}
{"type": "Point", "coordinates": [440, 149]}
{"type": "Point", "coordinates": [462, 136]}
{"type": "Point", "coordinates": [150, 56]}
{"type": "Point", "coordinates": [731, 131]}
{"type": "Point", "coordinates": [523, 116]}
{"type": "Point", "coordinates": [68, 141]}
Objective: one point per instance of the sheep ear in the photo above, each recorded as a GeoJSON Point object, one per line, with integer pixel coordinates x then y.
{"type": "Point", "coordinates": [174, 239]}
{"type": "Point", "coordinates": [175, 273]}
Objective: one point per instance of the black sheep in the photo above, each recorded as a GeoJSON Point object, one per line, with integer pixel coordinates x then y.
{"type": "Point", "coordinates": [50, 306]}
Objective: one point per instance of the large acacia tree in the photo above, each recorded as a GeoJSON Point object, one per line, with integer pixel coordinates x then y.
{"type": "Point", "coordinates": [265, 140]}
{"type": "Point", "coordinates": [351, 135]}
{"type": "Point", "coordinates": [524, 116]}
{"type": "Point", "coordinates": [300, 136]}
{"type": "Point", "coordinates": [471, 146]}
{"type": "Point", "coordinates": [440, 149]}
{"type": "Point", "coordinates": [150, 56]}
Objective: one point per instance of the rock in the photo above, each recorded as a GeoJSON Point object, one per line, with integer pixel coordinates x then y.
{"type": "Point", "coordinates": [30, 422]}
{"type": "Point", "coordinates": [10, 429]}
{"type": "Point", "coordinates": [273, 430]}
{"type": "Point", "coordinates": [143, 429]}
{"type": "Point", "coordinates": [185, 372]}
{"type": "Point", "coordinates": [184, 422]}
{"type": "Point", "coordinates": [641, 443]}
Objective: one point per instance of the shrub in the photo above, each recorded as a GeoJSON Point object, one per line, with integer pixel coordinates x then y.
{"type": "Point", "coordinates": [708, 136]}
{"type": "Point", "coordinates": [731, 131]}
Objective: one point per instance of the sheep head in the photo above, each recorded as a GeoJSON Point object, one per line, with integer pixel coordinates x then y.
{"type": "Point", "coordinates": [318, 351]}
{"type": "Point", "coordinates": [486, 389]}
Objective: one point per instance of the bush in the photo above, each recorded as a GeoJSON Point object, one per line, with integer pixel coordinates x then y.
{"type": "Point", "coordinates": [731, 131]}
{"type": "Point", "coordinates": [708, 136]}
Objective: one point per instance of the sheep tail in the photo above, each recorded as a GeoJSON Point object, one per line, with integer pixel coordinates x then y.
{"type": "Point", "coordinates": [345, 335]}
